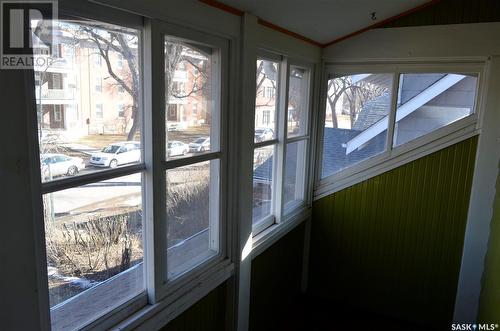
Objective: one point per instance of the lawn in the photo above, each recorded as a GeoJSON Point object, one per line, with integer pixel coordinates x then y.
{"type": "Point", "coordinates": [99, 141]}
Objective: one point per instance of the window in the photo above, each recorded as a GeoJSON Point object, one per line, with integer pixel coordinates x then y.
{"type": "Point", "coordinates": [197, 124]}
{"type": "Point", "coordinates": [57, 113]}
{"type": "Point", "coordinates": [279, 175]}
{"type": "Point", "coordinates": [355, 104]}
{"type": "Point", "coordinates": [98, 84]}
{"type": "Point", "coordinates": [270, 92]}
{"type": "Point", "coordinates": [98, 111]}
{"type": "Point", "coordinates": [365, 121]}
{"type": "Point", "coordinates": [193, 221]}
{"type": "Point", "coordinates": [297, 138]}
{"type": "Point", "coordinates": [93, 225]}
{"type": "Point", "coordinates": [121, 111]}
{"type": "Point", "coordinates": [266, 117]}
{"type": "Point", "coordinates": [119, 61]}
{"type": "Point", "coordinates": [97, 60]}
{"type": "Point", "coordinates": [427, 102]}
{"type": "Point", "coordinates": [264, 164]}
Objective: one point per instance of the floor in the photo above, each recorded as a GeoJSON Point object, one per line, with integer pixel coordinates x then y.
{"type": "Point", "coordinates": [308, 314]}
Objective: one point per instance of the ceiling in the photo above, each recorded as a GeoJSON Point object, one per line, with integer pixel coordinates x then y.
{"type": "Point", "coordinates": [324, 20]}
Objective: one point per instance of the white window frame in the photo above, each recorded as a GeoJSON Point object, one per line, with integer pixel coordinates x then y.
{"type": "Point", "coordinates": [394, 156]}
{"type": "Point", "coordinates": [278, 214]}
{"type": "Point", "coordinates": [133, 304]}
{"type": "Point", "coordinates": [168, 297]}
{"type": "Point", "coordinates": [163, 289]}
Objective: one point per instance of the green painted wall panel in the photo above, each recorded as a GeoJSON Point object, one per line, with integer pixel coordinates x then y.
{"type": "Point", "coordinates": [276, 279]}
{"type": "Point", "coordinates": [489, 303]}
{"type": "Point", "coordinates": [208, 314]}
{"type": "Point", "coordinates": [392, 244]}
{"type": "Point", "coordinates": [452, 12]}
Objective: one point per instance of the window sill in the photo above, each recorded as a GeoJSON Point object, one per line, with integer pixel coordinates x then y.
{"type": "Point", "coordinates": [155, 316]}
{"type": "Point", "coordinates": [272, 234]}
{"type": "Point", "coordinates": [81, 310]}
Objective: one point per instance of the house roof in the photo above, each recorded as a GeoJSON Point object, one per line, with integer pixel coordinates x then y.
{"type": "Point", "coordinates": [372, 112]}
{"type": "Point", "coordinates": [334, 154]}
{"type": "Point", "coordinates": [334, 150]}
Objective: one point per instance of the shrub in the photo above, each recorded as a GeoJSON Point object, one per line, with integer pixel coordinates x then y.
{"type": "Point", "coordinates": [100, 247]}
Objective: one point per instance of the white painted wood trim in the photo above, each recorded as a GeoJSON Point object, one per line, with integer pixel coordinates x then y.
{"type": "Point", "coordinates": [481, 200]}
{"type": "Point", "coordinates": [404, 110]}
{"type": "Point", "coordinates": [243, 226]}
{"type": "Point", "coordinates": [376, 166]}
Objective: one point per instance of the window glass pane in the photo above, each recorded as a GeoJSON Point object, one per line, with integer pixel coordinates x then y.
{"type": "Point", "coordinates": [93, 236]}
{"type": "Point", "coordinates": [192, 108]}
{"type": "Point", "coordinates": [77, 98]}
{"type": "Point", "coordinates": [298, 101]}
{"type": "Point", "coordinates": [192, 215]}
{"type": "Point", "coordinates": [427, 102]}
{"type": "Point", "coordinates": [262, 183]}
{"type": "Point", "coordinates": [295, 168]}
{"type": "Point", "coordinates": [266, 100]}
{"type": "Point", "coordinates": [356, 120]}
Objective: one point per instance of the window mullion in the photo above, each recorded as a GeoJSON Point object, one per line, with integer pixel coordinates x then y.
{"type": "Point", "coordinates": [392, 113]}
{"type": "Point", "coordinates": [279, 168]}
{"type": "Point", "coordinates": [155, 195]}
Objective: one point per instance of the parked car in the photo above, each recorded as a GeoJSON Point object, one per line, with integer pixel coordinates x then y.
{"type": "Point", "coordinates": [200, 145]}
{"type": "Point", "coordinates": [172, 127]}
{"type": "Point", "coordinates": [262, 134]}
{"type": "Point", "coordinates": [53, 165]}
{"type": "Point", "coordinates": [117, 154]}
{"type": "Point", "coordinates": [177, 148]}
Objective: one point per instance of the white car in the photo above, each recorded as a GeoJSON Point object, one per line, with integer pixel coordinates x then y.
{"type": "Point", "coordinates": [53, 165]}
{"type": "Point", "coordinates": [177, 148]}
{"type": "Point", "coordinates": [200, 145]}
{"type": "Point", "coordinates": [262, 134]}
{"type": "Point", "coordinates": [117, 154]}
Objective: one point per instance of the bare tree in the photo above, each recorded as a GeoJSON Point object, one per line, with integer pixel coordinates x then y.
{"type": "Point", "coordinates": [123, 43]}
{"type": "Point", "coordinates": [266, 71]}
{"type": "Point", "coordinates": [356, 96]}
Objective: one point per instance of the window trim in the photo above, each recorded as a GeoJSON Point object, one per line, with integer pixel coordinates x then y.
{"type": "Point", "coordinates": [131, 304]}
{"type": "Point", "coordinates": [202, 278]}
{"type": "Point", "coordinates": [169, 289]}
{"type": "Point", "coordinates": [280, 214]}
{"type": "Point", "coordinates": [394, 156]}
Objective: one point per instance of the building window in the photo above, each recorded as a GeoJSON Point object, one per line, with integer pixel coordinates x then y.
{"type": "Point", "coordinates": [192, 186]}
{"type": "Point", "coordinates": [270, 91]}
{"type": "Point", "coordinates": [365, 122]}
{"type": "Point", "coordinates": [266, 117]}
{"type": "Point", "coordinates": [279, 160]}
{"type": "Point", "coordinates": [97, 60]}
{"type": "Point", "coordinates": [98, 111]}
{"type": "Point", "coordinates": [57, 113]}
{"type": "Point", "coordinates": [98, 84]}
{"type": "Point", "coordinates": [121, 111]}
{"type": "Point", "coordinates": [119, 61]}
{"type": "Point", "coordinates": [93, 224]}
